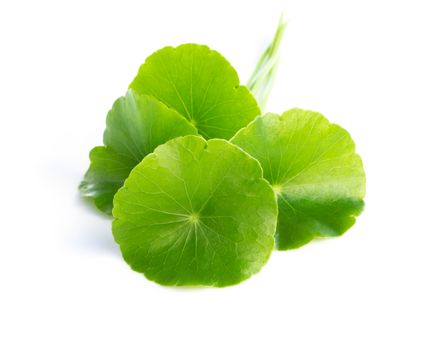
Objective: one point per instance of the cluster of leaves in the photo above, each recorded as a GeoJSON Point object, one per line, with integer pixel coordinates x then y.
{"type": "Point", "coordinates": [202, 187]}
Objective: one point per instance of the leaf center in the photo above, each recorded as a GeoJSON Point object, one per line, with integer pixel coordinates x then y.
{"type": "Point", "coordinates": [193, 218]}
{"type": "Point", "coordinates": [277, 189]}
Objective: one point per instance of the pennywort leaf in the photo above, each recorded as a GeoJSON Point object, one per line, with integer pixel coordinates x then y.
{"type": "Point", "coordinates": [201, 85]}
{"type": "Point", "coordinates": [136, 125]}
{"type": "Point", "coordinates": [313, 168]}
{"type": "Point", "coordinates": [196, 212]}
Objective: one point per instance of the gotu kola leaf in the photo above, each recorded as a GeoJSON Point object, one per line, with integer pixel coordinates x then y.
{"type": "Point", "coordinates": [313, 168]}
{"type": "Point", "coordinates": [136, 125]}
{"type": "Point", "coordinates": [201, 85]}
{"type": "Point", "coordinates": [196, 212]}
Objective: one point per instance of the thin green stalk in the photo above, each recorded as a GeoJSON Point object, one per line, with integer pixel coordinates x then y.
{"type": "Point", "coordinates": [262, 79]}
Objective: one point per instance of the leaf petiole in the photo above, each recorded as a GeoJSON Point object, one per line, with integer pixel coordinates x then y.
{"type": "Point", "coordinates": [262, 78]}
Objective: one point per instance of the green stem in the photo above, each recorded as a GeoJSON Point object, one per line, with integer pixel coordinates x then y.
{"type": "Point", "coordinates": [262, 79]}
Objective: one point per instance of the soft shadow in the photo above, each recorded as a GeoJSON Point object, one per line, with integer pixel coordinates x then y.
{"type": "Point", "coordinates": [94, 232]}
{"type": "Point", "coordinates": [186, 289]}
{"type": "Point", "coordinates": [87, 203]}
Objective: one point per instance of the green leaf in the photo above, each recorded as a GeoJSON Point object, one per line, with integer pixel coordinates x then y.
{"type": "Point", "coordinates": [196, 212]}
{"type": "Point", "coordinates": [313, 168]}
{"type": "Point", "coordinates": [201, 85]}
{"type": "Point", "coordinates": [136, 125]}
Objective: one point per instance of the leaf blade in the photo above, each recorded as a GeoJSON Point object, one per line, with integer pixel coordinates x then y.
{"type": "Point", "coordinates": [313, 167]}
{"type": "Point", "coordinates": [201, 85]}
{"type": "Point", "coordinates": [136, 125]}
{"type": "Point", "coordinates": [228, 210]}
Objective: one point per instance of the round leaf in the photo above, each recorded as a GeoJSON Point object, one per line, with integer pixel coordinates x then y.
{"type": "Point", "coordinates": [196, 213]}
{"type": "Point", "coordinates": [313, 168]}
{"type": "Point", "coordinates": [136, 125]}
{"type": "Point", "coordinates": [201, 85]}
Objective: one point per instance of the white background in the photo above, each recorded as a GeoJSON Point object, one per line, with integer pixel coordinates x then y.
{"type": "Point", "coordinates": [371, 66]}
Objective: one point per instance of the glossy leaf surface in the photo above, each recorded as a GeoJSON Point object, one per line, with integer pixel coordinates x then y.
{"type": "Point", "coordinates": [313, 168]}
{"type": "Point", "coordinates": [196, 212]}
{"type": "Point", "coordinates": [201, 85]}
{"type": "Point", "coordinates": [136, 125]}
